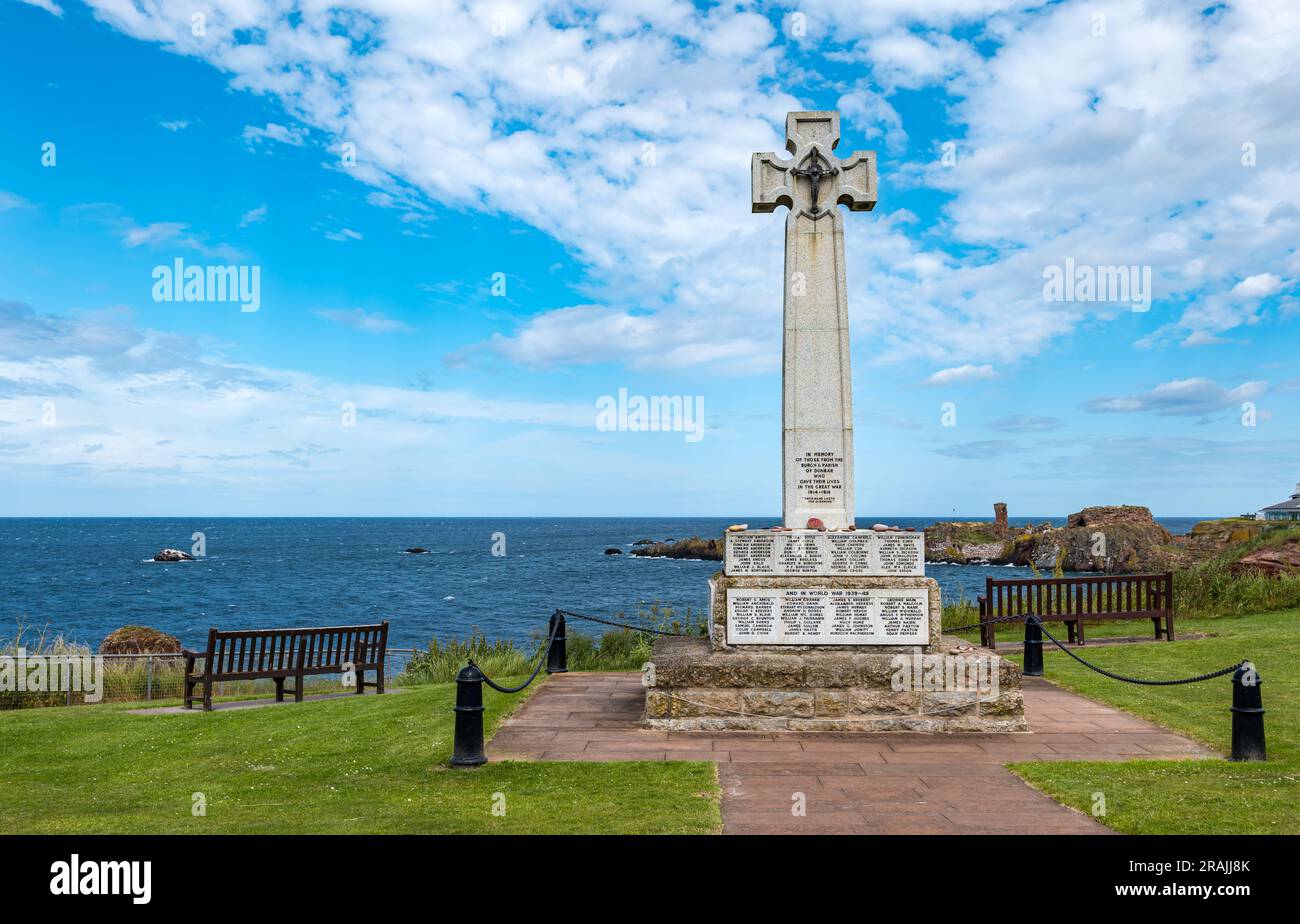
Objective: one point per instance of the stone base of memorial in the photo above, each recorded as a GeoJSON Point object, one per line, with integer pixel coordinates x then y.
{"type": "Point", "coordinates": [694, 687]}
{"type": "Point", "coordinates": [819, 649]}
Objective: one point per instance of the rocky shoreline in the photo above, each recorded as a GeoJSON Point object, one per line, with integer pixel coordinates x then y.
{"type": "Point", "coordinates": [1119, 539]}
{"type": "Point", "coordinates": [1110, 540]}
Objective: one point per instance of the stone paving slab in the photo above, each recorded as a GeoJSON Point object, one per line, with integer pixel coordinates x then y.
{"type": "Point", "coordinates": [851, 782]}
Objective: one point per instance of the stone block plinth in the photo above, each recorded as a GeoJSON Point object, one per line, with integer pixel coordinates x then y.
{"type": "Point", "coordinates": [949, 686]}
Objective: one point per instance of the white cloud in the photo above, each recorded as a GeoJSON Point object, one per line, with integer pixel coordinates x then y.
{"type": "Point", "coordinates": [152, 235]}
{"type": "Point", "coordinates": [10, 201]}
{"type": "Point", "coordinates": [1025, 423]}
{"type": "Point", "coordinates": [1194, 397]}
{"type": "Point", "coordinates": [292, 135]}
{"type": "Point", "coordinates": [959, 374]}
{"type": "Point", "coordinates": [48, 5]}
{"type": "Point", "coordinates": [158, 232]}
{"type": "Point", "coordinates": [174, 125]}
{"type": "Point", "coordinates": [979, 449]}
{"type": "Point", "coordinates": [1257, 286]}
{"type": "Point", "coordinates": [871, 114]}
{"type": "Point", "coordinates": [1121, 149]}
{"type": "Point", "coordinates": [167, 413]}
{"type": "Point", "coordinates": [372, 322]}
{"type": "Point", "coordinates": [253, 216]}
{"type": "Point", "coordinates": [597, 334]}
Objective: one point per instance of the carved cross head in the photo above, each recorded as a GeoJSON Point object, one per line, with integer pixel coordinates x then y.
{"type": "Point", "coordinates": [813, 181]}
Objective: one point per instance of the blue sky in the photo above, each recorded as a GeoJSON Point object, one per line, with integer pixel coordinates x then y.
{"type": "Point", "coordinates": [594, 157]}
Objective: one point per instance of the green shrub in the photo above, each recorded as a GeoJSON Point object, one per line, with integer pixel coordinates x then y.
{"type": "Point", "coordinates": [1211, 589]}
{"type": "Point", "coordinates": [617, 649]}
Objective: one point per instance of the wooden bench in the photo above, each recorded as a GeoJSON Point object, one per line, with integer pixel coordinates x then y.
{"type": "Point", "coordinates": [278, 654]}
{"type": "Point", "coordinates": [1073, 600]}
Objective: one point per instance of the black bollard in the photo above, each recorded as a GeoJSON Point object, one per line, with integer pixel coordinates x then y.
{"type": "Point", "coordinates": [1247, 714]}
{"type": "Point", "coordinates": [1033, 648]}
{"type": "Point", "coordinates": [467, 750]}
{"type": "Point", "coordinates": [557, 659]}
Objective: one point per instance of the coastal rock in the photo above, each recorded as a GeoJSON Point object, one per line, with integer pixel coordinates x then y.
{"type": "Point", "coordinates": [1113, 516]}
{"type": "Point", "coordinates": [1211, 537]}
{"type": "Point", "coordinates": [417, 550]}
{"type": "Point", "coordinates": [694, 547]}
{"type": "Point", "coordinates": [1000, 519]}
{"type": "Point", "coordinates": [1278, 561]}
{"type": "Point", "coordinates": [963, 543]}
{"type": "Point", "coordinates": [139, 640]}
{"type": "Point", "coordinates": [613, 551]}
{"type": "Point", "coordinates": [1111, 540]}
{"type": "Point", "coordinates": [173, 555]}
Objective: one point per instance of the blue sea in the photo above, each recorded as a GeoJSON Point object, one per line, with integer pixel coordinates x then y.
{"type": "Point", "coordinates": [83, 578]}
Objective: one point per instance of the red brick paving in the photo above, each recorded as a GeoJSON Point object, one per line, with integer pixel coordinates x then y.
{"type": "Point", "coordinates": [852, 782]}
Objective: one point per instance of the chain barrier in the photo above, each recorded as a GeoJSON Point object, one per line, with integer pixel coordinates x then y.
{"type": "Point", "coordinates": [622, 625]}
{"type": "Point", "coordinates": [555, 627]}
{"type": "Point", "coordinates": [1247, 706]}
{"type": "Point", "coordinates": [984, 622]}
{"type": "Point", "coordinates": [1139, 680]}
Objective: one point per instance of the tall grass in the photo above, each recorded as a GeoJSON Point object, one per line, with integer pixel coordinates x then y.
{"type": "Point", "coordinates": [124, 679]}
{"type": "Point", "coordinates": [1205, 590]}
{"type": "Point", "coordinates": [37, 643]}
{"type": "Point", "coordinates": [1210, 588]}
{"type": "Point", "coordinates": [614, 650]}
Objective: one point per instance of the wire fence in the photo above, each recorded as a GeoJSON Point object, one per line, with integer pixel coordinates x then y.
{"type": "Point", "coordinates": [129, 678]}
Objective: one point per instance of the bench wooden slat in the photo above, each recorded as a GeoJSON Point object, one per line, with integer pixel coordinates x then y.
{"type": "Point", "coordinates": [1074, 600]}
{"type": "Point", "coordinates": [256, 654]}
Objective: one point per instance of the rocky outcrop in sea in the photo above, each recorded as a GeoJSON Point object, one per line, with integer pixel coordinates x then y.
{"type": "Point", "coordinates": [694, 547]}
{"type": "Point", "coordinates": [1111, 540]}
{"type": "Point", "coordinates": [173, 555]}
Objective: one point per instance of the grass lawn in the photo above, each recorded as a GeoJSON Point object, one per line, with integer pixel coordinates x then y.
{"type": "Point", "coordinates": [1190, 797]}
{"type": "Point", "coordinates": [344, 766]}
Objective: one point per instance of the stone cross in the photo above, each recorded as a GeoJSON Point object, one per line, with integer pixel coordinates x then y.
{"type": "Point", "coordinates": [817, 396]}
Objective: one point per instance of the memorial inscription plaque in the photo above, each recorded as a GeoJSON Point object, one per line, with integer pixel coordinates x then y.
{"type": "Point", "coordinates": [805, 553]}
{"type": "Point", "coordinates": [827, 616]}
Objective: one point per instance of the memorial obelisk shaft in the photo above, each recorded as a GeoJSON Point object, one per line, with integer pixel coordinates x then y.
{"type": "Point", "coordinates": [810, 624]}
{"type": "Point", "coordinates": [817, 396]}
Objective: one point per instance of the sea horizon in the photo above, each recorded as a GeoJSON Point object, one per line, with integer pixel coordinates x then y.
{"type": "Point", "coordinates": [1036, 518]}
{"type": "Point", "coordinates": [83, 577]}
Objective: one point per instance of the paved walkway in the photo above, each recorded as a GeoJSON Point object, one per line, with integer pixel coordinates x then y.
{"type": "Point", "coordinates": [854, 783]}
